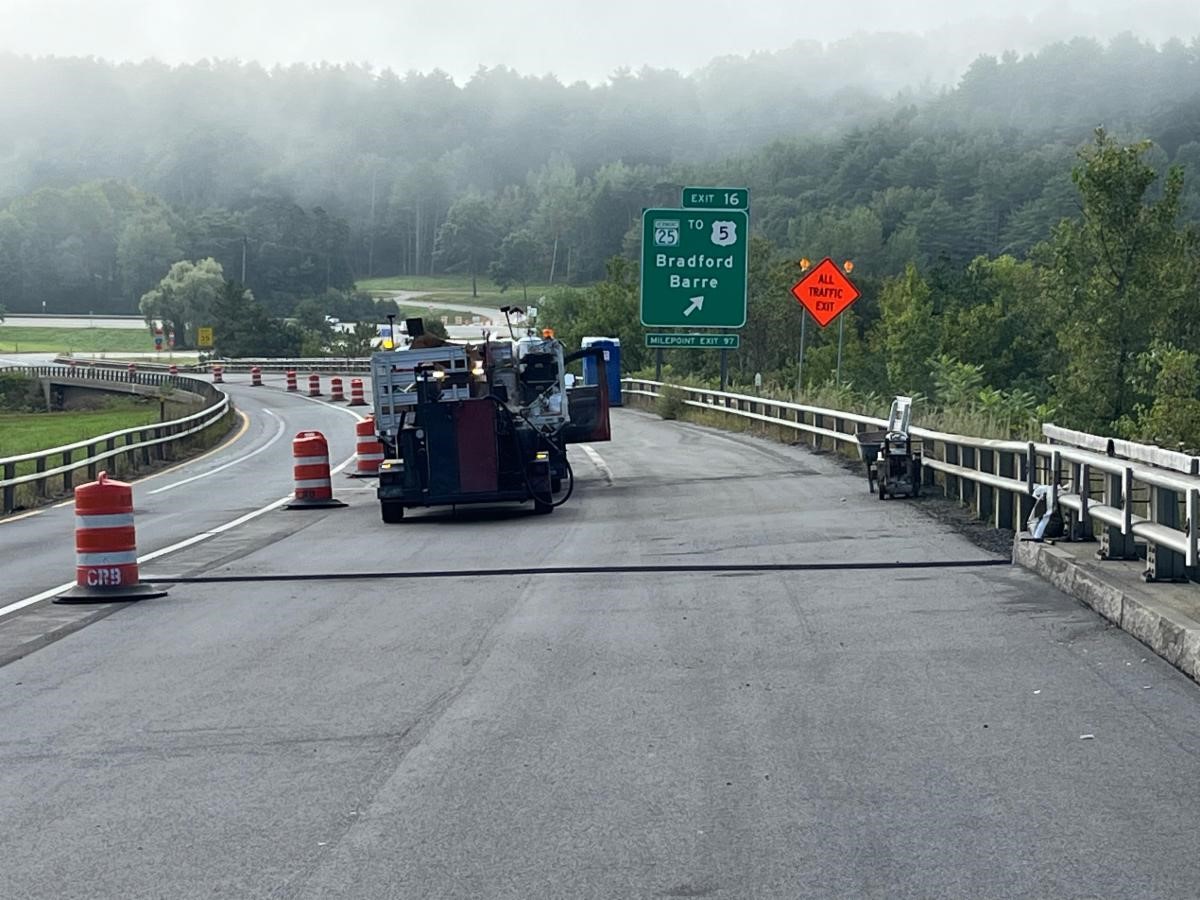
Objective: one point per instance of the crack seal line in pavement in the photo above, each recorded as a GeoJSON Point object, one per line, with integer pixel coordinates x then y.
{"type": "Point", "coordinates": [682, 568]}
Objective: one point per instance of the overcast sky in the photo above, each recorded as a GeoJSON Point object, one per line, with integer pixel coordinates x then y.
{"type": "Point", "coordinates": [574, 39]}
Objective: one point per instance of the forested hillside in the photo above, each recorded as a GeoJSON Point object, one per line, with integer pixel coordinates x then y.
{"type": "Point", "coordinates": [328, 173]}
{"type": "Point", "coordinates": [299, 180]}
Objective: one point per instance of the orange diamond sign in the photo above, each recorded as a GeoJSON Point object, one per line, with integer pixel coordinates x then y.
{"type": "Point", "coordinates": [825, 292]}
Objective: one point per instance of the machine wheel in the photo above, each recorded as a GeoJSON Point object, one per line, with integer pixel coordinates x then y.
{"type": "Point", "coordinates": [392, 511]}
{"type": "Point", "coordinates": [542, 507]}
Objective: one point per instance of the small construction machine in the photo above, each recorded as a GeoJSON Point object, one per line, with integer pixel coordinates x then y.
{"type": "Point", "coordinates": [893, 456]}
{"type": "Point", "coordinates": [481, 423]}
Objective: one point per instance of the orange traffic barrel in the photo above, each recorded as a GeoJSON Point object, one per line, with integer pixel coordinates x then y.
{"type": "Point", "coordinates": [106, 566]}
{"type": "Point", "coordinates": [256, 376]}
{"type": "Point", "coordinates": [291, 380]}
{"type": "Point", "coordinates": [173, 369]}
{"type": "Point", "coordinates": [314, 385]}
{"type": "Point", "coordinates": [310, 471]}
{"type": "Point", "coordinates": [356, 392]}
{"type": "Point", "coordinates": [218, 374]}
{"type": "Point", "coordinates": [335, 390]}
{"type": "Point", "coordinates": [368, 449]}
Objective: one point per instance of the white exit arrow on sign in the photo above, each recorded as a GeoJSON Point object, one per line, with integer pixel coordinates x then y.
{"type": "Point", "coordinates": [697, 303]}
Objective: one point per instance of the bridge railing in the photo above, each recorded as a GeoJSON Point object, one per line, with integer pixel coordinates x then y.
{"type": "Point", "coordinates": [146, 443]}
{"type": "Point", "coordinates": [331, 364]}
{"type": "Point", "coordinates": [1122, 502]}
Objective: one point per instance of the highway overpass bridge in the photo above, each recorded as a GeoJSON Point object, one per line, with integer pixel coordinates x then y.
{"type": "Point", "coordinates": [765, 684]}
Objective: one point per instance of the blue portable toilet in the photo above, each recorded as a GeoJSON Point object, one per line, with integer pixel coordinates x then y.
{"type": "Point", "coordinates": [612, 365]}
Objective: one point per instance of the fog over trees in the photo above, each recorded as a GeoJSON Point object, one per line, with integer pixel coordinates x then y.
{"type": "Point", "coordinates": [299, 180]}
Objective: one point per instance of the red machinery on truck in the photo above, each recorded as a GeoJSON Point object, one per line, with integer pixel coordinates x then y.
{"type": "Point", "coordinates": [482, 423]}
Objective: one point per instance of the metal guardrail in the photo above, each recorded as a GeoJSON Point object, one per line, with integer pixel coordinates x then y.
{"type": "Point", "coordinates": [1123, 501]}
{"type": "Point", "coordinates": [150, 441]}
{"type": "Point", "coordinates": [330, 364]}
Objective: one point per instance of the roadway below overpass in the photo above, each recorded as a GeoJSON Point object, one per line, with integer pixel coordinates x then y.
{"type": "Point", "coordinates": [905, 731]}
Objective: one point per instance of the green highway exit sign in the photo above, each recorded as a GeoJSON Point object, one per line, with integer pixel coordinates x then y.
{"type": "Point", "coordinates": [716, 198]}
{"type": "Point", "coordinates": [702, 341]}
{"type": "Point", "coordinates": [694, 268]}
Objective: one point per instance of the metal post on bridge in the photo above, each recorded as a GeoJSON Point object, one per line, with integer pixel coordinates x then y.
{"type": "Point", "coordinates": [1116, 541]}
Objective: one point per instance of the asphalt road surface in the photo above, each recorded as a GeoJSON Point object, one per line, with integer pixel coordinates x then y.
{"type": "Point", "coordinates": [905, 732]}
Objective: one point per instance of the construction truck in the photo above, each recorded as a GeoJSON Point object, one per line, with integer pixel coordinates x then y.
{"type": "Point", "coordinates": [488, 422]}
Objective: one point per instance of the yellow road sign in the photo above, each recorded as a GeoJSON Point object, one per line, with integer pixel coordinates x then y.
{"type": "Point", "coordinates": [204, 337]}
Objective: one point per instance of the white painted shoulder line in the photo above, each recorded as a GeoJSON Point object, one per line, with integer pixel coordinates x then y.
{"type": "Point", "coordinates": [233, 462]}
{"type": "Point", "coordinates": [598, 462]}
{"type": "Point", "coordinates": [164, 551]}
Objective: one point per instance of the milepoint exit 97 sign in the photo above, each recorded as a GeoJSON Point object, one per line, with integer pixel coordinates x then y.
{"type": "Point", "coordinates": [825, 292]}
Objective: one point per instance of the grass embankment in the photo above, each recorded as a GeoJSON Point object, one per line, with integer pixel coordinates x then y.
{"type": "Point", "coordinates": [22, 433]}
{"type": "Point", "coordinates": [454, 289]}
{"type": "Point", "coordinates": [29, 432]}
{"type": "Point", "coordinates": [39, 339]}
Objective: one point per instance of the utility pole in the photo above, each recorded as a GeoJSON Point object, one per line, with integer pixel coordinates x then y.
{"type": "Point", "coordinates": [245, 240]}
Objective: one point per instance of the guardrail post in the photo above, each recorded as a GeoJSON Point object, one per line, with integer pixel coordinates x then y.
{"type": "Point", "coordinates": [1006, 467]}
{"type": "Point", "coordinates": [1116, 542]}
{"type": "Point", "coordinates": [39, 466]}
{"type": "Point", "coordinates": [1163, 563]}
{"type": "Point", "coordinates": [818, 422]}
{"type": "Point", "coordinates": [1193, 533]}
{"type": "Point", "coordinates": [985, 493]}
{"type": "Point", "coordinates": [950, 483]}
{"type": "Point", "coordinates": [68, 476]}
{"type": "Point", "coordinates": [92, 469]}
{"type": "Point", "coordinates": [967, 488]}
{"type": "Point", "coordinates": [10, 491]}
{"type": "Point", "coordinates": [1081, 528]}
{"type": "Point", "coordinates": [159, 450]}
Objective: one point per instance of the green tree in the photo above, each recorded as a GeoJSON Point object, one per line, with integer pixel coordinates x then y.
{"type": "Point", "coordinates": [518, 261]}
{"type": "Point", "coordinates": [184, 298]}
{"type": "Point", "coordinates": [147, 247]}
{"type": "Point", "coordinates": [467, 239]}
{"type": "Point", "coordinates": [908, 335]}
{"type": "Point", "coordinates": [1173, 419]}
{"type": "Point", "coordinates": [1119, 275]}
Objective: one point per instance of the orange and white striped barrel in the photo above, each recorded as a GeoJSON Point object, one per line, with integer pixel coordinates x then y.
{"type": "Point", "coordinates": [356, 392]}
{"type": "Point", "coordinates": [106, 566]}
{"type": "Point", "coordinates": [256, 376]}
{"type": "Point", "coordinates": [335, 390]}
{"type": "Point", "coordinates": [314, 385]}
{"type": "Point", "coordinates": [368, 450]}
{"type": "Point", "coordinates": [218, 374]}
{"type": "Point", "coordinates": [173, 369]}
{"type": "Point", "coordinates": [310, 471]}
{"type": "Point", "coordinates": [291, 380]}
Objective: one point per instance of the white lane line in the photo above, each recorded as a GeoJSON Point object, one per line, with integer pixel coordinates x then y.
{"type": "Point", "coordinates": [173, 548]}
{"type": "Point", "coordinates": [598, 462]}
{"type": "Point", "coordinates": [233, 462]}
{"type": "Point", "coordinates": [344, 409]}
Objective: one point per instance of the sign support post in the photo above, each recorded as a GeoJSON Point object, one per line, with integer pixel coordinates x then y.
{"type": "Point", "coordinates": [841, 334]}
{"type": "Point", "coordinates": [724, 369]}
{"type": "Point", "coordinates": [658, 364]}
